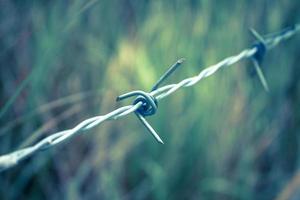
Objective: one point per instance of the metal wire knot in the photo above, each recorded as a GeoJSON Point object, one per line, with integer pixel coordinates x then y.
{"type": "Point", "coordinates": [261, 50]}
{"type": "Point", "coordinates": [149, 104]}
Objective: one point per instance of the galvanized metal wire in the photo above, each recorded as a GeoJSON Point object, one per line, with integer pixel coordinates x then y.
{"type": "Point", "coordinates": [270, 41]}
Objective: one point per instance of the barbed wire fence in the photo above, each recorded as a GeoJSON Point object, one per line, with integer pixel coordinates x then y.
{"type": "Point", "coordinates": [145, 103]}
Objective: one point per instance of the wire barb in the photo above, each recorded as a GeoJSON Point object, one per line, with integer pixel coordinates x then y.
{"type": "Point", "coordinates": [149, 102]}
{"type": "Point", "coordinates": [168, 73]}
{"type": "Point", "coordinates": [148, 107]}
{"type": "Point", "coordinates": [145, 104]}
{"type": "Point", "coordinates": [257, 58]}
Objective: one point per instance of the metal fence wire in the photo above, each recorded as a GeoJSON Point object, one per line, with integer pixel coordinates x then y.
{"type": "Point", "coordinates": [145, 103]}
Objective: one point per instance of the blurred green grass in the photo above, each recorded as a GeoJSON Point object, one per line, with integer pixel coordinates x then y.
{"type": "Point", "coordinates": [225, 138]}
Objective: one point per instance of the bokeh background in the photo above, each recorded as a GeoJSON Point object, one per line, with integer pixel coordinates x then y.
{"type": "Point", "coordinates": [225, 138]}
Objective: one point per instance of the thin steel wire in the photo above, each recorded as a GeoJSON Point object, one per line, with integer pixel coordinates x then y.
{"type": "Point", "coordinates": [11, 159]}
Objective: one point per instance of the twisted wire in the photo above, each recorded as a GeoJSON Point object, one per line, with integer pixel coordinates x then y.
{"type": "Point", "coordinates": [11, 159]}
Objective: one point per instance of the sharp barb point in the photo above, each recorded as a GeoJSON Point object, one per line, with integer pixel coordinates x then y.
{"type": "Point", "coordinates": [181, 60]}
{"type": "Point", "coordinates": [167, 73]}
{"type": "Point", "coordinates": [160, 141]}
{"type": "Point", "coordinates": [149, 128]}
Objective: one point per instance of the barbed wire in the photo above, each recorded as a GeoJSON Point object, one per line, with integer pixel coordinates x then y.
{"type": "Point", "coordinates": [145, 103]}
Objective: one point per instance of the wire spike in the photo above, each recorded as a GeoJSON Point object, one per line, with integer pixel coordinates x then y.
{"type": "Point", "coordinates": [261, 75]}
{"type": "Point", "coordinates": [257, 35]}
{"type": "Point", "coordinates": [130, 94]}
{"type": "Point", "coordinates": [126, 95]}
{"type": "Point", "coordinates": [168, 73]}
{"type": "Point", "coordinates": [149, 127]}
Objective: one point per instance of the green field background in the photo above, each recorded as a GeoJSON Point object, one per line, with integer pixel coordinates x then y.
{"type": "Point", "coordinates": [225, 138]}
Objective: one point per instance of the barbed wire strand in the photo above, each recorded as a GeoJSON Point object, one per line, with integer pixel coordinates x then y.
{"type": "Point", "coordinates": [11, 159]}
